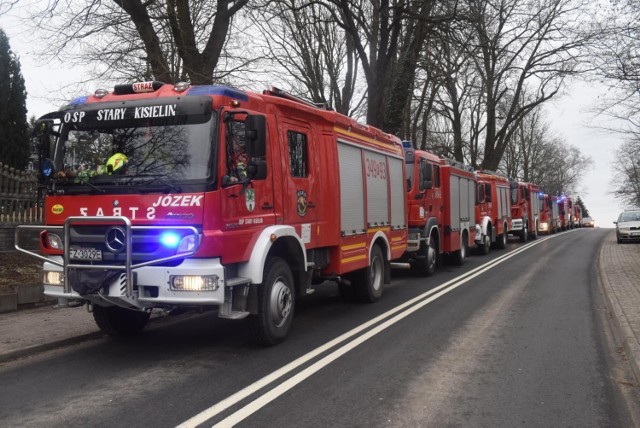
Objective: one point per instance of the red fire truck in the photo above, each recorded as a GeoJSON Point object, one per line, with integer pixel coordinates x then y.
{"type": "Point", "coordinates": [577, 215]}
{"type": "Point", "coordinates": [548, 214]}
{"type": "Point", "coordinates": [174, 196]}
{"type": "Point", "coordinates": [441, 199]}
{"type": "Point", "coordinates": [525, 210]}
{"type": "Point", "coordinates": [565, 212]}
{"type": "Point", "coordinates": [493, 211]}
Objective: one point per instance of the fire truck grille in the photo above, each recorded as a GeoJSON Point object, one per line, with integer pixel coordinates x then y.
{"type": "Point", "coordinates": [146, 246]}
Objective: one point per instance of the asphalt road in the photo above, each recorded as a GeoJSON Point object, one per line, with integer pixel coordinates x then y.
{"type": "Point", "coordinates": [514, 338]}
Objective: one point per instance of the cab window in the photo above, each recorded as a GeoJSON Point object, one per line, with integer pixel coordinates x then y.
{"type": "Point", "coordinates": [298, 156]}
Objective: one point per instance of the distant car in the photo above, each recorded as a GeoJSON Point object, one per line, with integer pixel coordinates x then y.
{"type": "Point", "coordinates": [588, 222]}
{"type": "Point", "coordinates": [628, 226]}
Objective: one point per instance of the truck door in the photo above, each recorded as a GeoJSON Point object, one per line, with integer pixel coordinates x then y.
{"type": "Point", "coordinates": [247, 203]}
{"type": "Point", "coordinates": [301, 179]}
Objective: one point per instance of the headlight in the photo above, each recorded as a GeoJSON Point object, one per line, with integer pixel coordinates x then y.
{"type": "Point", "coordinates": [53, 278]}
{"type": "Point", "coordinates": [193, 282]}
{"type": "Point", "coordinates": [185, 244]}
{"type": "Point", "coordinates": [54, 241]}
{"type": "Point", "coordinates": [188, 244]}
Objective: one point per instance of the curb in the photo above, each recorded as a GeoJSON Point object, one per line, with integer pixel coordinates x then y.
{"type": "Point", "coordinates": [622, 331]}
{"type": "Point", "coordinates": [34, 349]}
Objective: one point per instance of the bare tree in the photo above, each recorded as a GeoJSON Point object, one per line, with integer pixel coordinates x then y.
{"type": "Point", "coordinates": [388, 37]}
{"type": "Point", "coordinates": [303, 41]}
{"type": "Point", "coordinates": [526, 50]}
{"type": "Point", "coordinates": [626, 180]}
{"type": "Point", "coordinates": [536, 155]}
{"type": "Point", "coordinates": [166, 40]}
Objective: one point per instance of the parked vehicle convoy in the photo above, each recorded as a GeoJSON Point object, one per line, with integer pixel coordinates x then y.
{"type": "Point", "coordinates": [548, 214]}
{"type": "Point", "coordinates": [169, 196]}
{"type": "Point", "coordinates": [441, 210]}
{"type": "Point", "coordinates": [493, 211]}
{"type": "Point", "coordinates": [525, 210]}
{"type": "Point", "coordinates": [166, 197]}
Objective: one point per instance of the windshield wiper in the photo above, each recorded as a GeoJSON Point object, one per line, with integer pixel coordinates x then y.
{"type": "Point", "coordinates": [156, 179]}
{"type": "Point", "coordinates": [93, 186]}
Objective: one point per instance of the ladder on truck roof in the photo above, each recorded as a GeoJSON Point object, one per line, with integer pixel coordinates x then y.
{"type": "Point", "coordinates": [283, 94]}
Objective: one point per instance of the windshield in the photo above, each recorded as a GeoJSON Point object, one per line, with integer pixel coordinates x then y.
{"type": "Point", "coordinates": [630, 216]}
{"type": "Point", "coordinates": [132, 150]}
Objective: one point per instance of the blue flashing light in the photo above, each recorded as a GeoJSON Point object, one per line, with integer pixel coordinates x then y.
{"type": "Point", "coordinates": [78, 101]}
{"type": "Point", "coordinates": [170, 239]}
{"type": "Point", "coordinates": [407, 144]}
{"type": "Point", "coordinates": [218, 90]}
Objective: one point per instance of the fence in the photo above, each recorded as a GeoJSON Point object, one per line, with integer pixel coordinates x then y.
{"type": "Point", "coordinates": [19, 201]}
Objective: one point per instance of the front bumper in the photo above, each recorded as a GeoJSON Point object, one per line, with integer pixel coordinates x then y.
{"type": "Point", "coordinates": [151, 286]}
{"type": "Point", "coordinates": [516, 224]}
{"type": "Point", "coordinates": [628, 235]}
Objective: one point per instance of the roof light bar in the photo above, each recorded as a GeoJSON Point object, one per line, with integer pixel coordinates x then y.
{"type": "Point", "coordinates": [137, 88]}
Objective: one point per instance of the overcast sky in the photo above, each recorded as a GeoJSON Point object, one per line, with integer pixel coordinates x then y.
{"type": "Point", "coordinates": [47, 87]}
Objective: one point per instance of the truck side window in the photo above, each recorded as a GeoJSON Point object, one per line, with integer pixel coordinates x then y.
{"type": "Point", "coordinates": [436, 176]}
{"type": "Point", "coordinates": [237, 159]}
{"type": "Point", "coordinates": [298, 154]}
{"type": "Point", "coordinates": [480, 193]}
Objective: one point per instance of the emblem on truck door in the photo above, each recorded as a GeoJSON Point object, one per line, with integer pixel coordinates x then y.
{"type": "Point", "coordinates": [250, 199]}
{"type": "Point", "coordinates": [302, 203]}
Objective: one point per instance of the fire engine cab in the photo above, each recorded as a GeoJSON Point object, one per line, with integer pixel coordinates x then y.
{"type": "Point", "coordinates": [216, 197]}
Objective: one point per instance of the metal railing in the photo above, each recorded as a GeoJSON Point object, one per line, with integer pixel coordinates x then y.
{"type": "Point", "coordinates": [19, 200]}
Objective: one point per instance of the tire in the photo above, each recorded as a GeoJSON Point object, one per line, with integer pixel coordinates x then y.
{"type": "Point", "coordinates": [117, 322]}
{"type": "Point", "coordinates": [369, 281]}
{"type": "Point", "coordinates": [485, 246]}
{"type": "Point", "coordinates": [534, 235]}
{"type": "Point", "coordinates": [425, 264]}
{"type": "Point", "coordinates": [460, 255]}
{"type": "Point", "coordinates": [501, 241]}
{"type": "Point", "coordinates": [524, 234]}
{"type": "Point", "coordinates": [276, 304]}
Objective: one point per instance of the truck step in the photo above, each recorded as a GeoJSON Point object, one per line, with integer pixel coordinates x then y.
{"type": "Point", "coordinates": [232, 282]}
{"type": "Point", "coordinates": [400, 265]}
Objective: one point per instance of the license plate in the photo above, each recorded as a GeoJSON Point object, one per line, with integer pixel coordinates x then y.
{"type": "Point", "coordinates": [85, 254]}
{"type": "Point", "coordinates": [634, 234]}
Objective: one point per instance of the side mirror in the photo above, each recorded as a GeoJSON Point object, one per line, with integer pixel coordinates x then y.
{"type": "Point", "coordinates": [43, 127]}
{"type": "Point", "coordinates": [256, 135]}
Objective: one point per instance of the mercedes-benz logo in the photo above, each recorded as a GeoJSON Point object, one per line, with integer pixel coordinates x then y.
{"type": "Point", "coordinates": [115, 239]}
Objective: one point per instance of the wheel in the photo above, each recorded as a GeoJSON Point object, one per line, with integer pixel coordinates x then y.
{"type": "Point", "coordinates": [524, 234]}
{"type": "Point", "coordinates": [276, 302]}
{"type": "Point", "coordinates": [425, 264]}
{"type": "Point", "coordinates": [117, 321]}
{"type": "Point", "coordinates": [485, 245]}
{"type": "Point", "coordinates": [534, 234]}
{"type": "Point", "coordinates": [369, 281]}
{"type": "Point", "coordinates": [501, 241]}
{"type": "Point", "coordinates": [460, 255]}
